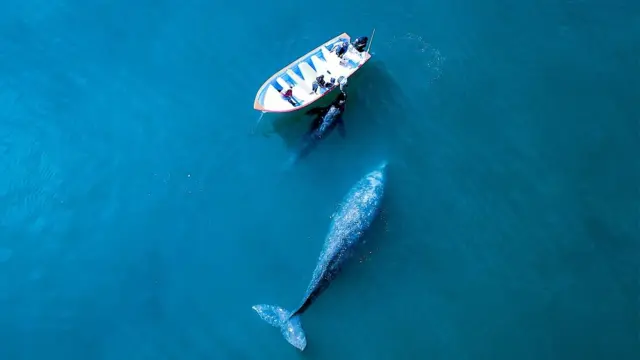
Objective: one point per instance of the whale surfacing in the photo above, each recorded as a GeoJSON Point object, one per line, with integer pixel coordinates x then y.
{"type": "Point", "coordinates": [355, 214]}
{"type": "Point", "coordinates": [326, 119]}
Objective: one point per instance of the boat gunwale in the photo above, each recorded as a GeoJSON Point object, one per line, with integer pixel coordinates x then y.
{"type": "Point", "coordinates": [260, 107]}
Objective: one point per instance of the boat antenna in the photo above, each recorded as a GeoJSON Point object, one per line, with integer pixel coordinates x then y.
{"type": "Point", "coordinates": [370, 41]}
{"type": "Point", "coordinates": [253, 131]}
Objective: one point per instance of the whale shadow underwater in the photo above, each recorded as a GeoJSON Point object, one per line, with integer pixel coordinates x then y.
{"type": "Point", "coordinates": [353, 217]}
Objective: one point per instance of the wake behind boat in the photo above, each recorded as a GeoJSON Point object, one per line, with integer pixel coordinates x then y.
{"type": "Point", "coordinates": [312, 76]}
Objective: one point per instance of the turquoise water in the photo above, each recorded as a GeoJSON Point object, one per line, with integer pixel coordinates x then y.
{"type": "Point", "coordinates": [144, 210]}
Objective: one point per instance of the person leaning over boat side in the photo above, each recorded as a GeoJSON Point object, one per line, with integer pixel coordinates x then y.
{"type": "Point", "coordinates": [341, 99]}
{"type": "Point", "coordinates": [360, 43]}
{"type": "Point", "coordinates": [342, 81]}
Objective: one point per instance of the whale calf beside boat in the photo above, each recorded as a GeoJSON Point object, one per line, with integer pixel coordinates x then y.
{"type": "Point", "coordinates": [327, 118]}
{"type": "Point", "coordinates": [355, 214]}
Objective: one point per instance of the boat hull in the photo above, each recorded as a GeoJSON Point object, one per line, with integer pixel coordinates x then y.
{"type": "Point", "coordinates": [300, 75]}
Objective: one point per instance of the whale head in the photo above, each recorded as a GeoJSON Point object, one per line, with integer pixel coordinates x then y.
{"type": "Point", "coordinates": [379, 173]}
{"type": "Point", "coordinates": [377, 177]}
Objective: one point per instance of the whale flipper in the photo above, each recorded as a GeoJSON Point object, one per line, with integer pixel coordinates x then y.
{"type": "Point", "coordinates": [290, 326]}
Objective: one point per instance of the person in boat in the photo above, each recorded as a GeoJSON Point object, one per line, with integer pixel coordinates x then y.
{"type": "Point", "coordinates": [288, 95]}
{"type": "Point", "coordinates": [341, 48]}
{"type": "Point", "coordinates": [332, 82]}
{"type": "Point", "coordinates": [342, 81]}
{"type": "Point", "coordinates": [360, 43]}
{"type": "Point", "coordinates": [341, 100]}
{"type": "Point", "coordinates": [319, 83]}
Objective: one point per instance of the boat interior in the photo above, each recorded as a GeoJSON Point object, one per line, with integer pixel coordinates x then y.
{"type": "Point", "coordinates": [301, 76]}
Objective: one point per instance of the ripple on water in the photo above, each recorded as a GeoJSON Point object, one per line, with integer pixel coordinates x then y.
{"type": "Point", "coordinates": [417, 56]}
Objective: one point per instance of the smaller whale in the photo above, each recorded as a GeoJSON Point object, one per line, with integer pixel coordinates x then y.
{"type": "Point", "coordinates": [354, 215]}
{"type": "Point", "coordinates": [327, 118]}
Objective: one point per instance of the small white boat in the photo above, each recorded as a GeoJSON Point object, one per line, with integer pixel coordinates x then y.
{"type": "Point", "coordinates": [300, 75]}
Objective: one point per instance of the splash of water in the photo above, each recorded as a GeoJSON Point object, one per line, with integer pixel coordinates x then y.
{"type": "Point", "coordinates": [423, 58]}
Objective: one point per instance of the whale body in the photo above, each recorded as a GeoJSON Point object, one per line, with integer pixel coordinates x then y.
{"type": "Point", "coordinates": [354, 215]}
{"type": "Point", "coordinates": [327, 118]}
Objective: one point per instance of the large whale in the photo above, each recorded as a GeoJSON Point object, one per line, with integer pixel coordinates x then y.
{"type": "Point", "coordinates": [326, 119]}
{"type": "Point", "coordinates": [354, 215]}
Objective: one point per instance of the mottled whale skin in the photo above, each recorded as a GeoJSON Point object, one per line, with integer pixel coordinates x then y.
{"type": "Point", "coordinates": [355, 214]}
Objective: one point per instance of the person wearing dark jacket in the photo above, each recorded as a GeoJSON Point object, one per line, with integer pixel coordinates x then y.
{"type": "Point", "coordinates": [360, 43]}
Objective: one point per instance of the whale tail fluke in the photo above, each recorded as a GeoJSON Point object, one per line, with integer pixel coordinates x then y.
{"type": "Point", "coordinates": [290, 326]}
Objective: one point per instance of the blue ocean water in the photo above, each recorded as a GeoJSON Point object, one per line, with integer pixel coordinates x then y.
{"type": "Point", "coordinates": [144, 210]}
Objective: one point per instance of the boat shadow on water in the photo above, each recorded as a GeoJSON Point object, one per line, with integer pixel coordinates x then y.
{"type": "Point", "coordinates": [373, 95]}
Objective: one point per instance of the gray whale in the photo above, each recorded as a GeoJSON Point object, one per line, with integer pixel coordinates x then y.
{"type": "Point", "coordinates": [326, 119]}
{"type": "Point", "coordinates": [354, 215]}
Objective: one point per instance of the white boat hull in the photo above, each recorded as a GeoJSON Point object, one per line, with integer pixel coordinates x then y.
{"type": "Point", "coordinates": [301, 74]}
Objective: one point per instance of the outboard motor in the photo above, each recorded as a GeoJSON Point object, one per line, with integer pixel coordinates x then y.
{"type": "Point", "coordinates": [360, 43]}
